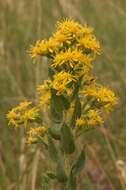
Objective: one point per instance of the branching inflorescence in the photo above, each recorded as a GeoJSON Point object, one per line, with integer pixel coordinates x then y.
{"type": "Point", "coordinates": [71, 96]}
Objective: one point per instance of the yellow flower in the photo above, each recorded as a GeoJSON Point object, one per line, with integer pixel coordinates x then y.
{"type": "Point", "coordinates": [34, 133]}
{"type": "Point", "coordinates": [44, 87]}
{"type": "Point", "coordinates": [90, 91]}
{"type": "Point", "coordinates": [44, 100]}
{"type": "Point", "coordinates": [86, 30]}
{"type": "Point", "coordinates": [90, 42]}
{"type": "Point", "coordinates": [80, 121]}
{"type": "Point", "coordinates": [68, 27]}
{"type": "Point", "coordinates": [106, 96]}
{"type": "Point", "coordinates": [29, 115]}
{"type": "Point", "coordinates": [103, 95]}
{"type": "Point", "coordinates": [43, 47]}
{"type": "Point", "coordinates": [45, 95]}
{"type": "Point", "coordinates": [61, 80]}
{"type": "Point", "coordinates": [70, 57]}
{"type": "Point", "coordinates": [23, 105]}
{"type": "Point", "coordinates": [84, 68]}
{"type": "Point", "coordinates": [61, 38]}
{"type": "Point", "coordinates": [13, 117]}
{"type": "Point", "coordinates": [94, 118]}
{"type": "Point", "coordinates": [37, 130]}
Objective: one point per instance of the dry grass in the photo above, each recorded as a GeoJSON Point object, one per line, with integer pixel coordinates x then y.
{"type": "Point", "coordinates": [21, 24]}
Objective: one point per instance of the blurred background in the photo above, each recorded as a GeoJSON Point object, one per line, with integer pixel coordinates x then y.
{"type": "Point", "coordinates": [22, 23]}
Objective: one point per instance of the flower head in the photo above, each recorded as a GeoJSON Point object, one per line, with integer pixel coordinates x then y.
{"type": "Point", "coordinates": [13, 117]}
{"type": "Point", "coordinates": [43, 47]}
{"type": "Point", "coordinates": [89, 42]}
{"type": "Point", "coordinates": [104, 96]}
{"type": "Point", "coordinates": [29, 115]}
{"type": "Point", "coordinates": [61, 38]}
{"type": "Point", "coordinates": [70, 84]}
{"type": "Point", "coordinates": [35, 133]}
{"type": "Point", "coordinates": [68, 27]}
{"type": "Point", "coordinates": [61, 80]}
{"type": "Point", "coordinates": [94, 118]}
{"type": "Point", "coordinates": [22, 114]}
{"type": "Point", "coordinates": [69, 57]}
{"type": "Point", "coordinates": [80, 121]}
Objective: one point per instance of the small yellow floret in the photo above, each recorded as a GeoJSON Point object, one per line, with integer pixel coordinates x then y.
{"type": "Point", "coordinates": [29, 115]}
{"type": "Point", "coordinates": [68, 27]}
{"type": "Point", "coordinates": [12, 117]}
{"type": "Point", "coordinates": [86, 30]}
{"type": "Point", "coordinates": [80, 121]}
{"type": "Point", "coordinates": [44, 100]}
{"type": "Point", "coordinates": [61, 38]}
{"type": "Point", "coordinates": [44, 87]}
{"type": "Point", "coordinates": [94, 118]}
{"type": "Point", "coordinates": [70, 57]}
{"type": "Point", "coordinates": [43, 47]}
{"type": "Point", "coordinates": [103, 95]}
{"type": "Point", "coordinates": [61, 80]}
{"type": "Point", "coordinates": [23, 105]}
{"type": "Point", "coordinates": [90, 42]}
{"type": "Point", "coordinates": [34, 133]}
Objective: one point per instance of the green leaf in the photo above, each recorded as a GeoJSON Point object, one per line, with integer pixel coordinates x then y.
{"type": "Point", "coordinates": [60, 173]}
{"type": "Point", "coordinates": [57, 105]}
{"type": "Point", "coordinates": [67, 141]}
{"type": "Point", "coordinates": [52, 149]}
{"type": "Point", "coordinates": [51, 72]}
{"type": "Point", "coordinates": [55, 130]}
{"type": "Point", "coordinates": [56, 108]}
{"type": "Point", "coordinates": [65, 102]}
{"type": "Point", "coordinates": [77, 112]}
{"type": "Point", "coordinates": [79, 164]}
{"type": "Point", "coordinates": [51, 175]}
{"type": "Point", "coordinates": [71, 183]}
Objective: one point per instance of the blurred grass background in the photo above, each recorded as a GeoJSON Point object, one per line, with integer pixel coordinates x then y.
{"type": "Point", "coordinates": [21, 24]}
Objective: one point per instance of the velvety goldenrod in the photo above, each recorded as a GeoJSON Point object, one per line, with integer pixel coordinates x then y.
{"type": "Point", "coordinates": [71, 95]}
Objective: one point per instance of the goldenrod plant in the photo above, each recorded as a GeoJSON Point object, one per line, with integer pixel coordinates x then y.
{"type": "Point", "coordinates": [71, 98]}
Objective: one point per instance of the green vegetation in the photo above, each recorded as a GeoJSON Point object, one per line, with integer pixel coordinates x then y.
{"type": "Point", "coordinates": [22, 23]}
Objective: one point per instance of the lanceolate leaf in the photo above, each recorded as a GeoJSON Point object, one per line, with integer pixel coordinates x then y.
{"type": "Point", "coordinates": [57, 105]}
{"type": "Point", "coordinates": [71, 183]}
{"type": "Point", "coordinates": [55, 130]}
{"type": "Point", "coordinates": [56, 108]}
{"type": "Point", "coordinates": [51, 175]}
{"type": "Point", "coordinates": [65, 102]}
{"type": "Point", "coordinates": [77, 112]}
{"type": "Point", "coordinates": [67, 141]}
{"type": "Point", "coordinates": [60, 173]}
{"type": "Point", "coordinates": [79, 164]}
{"type": "Point", "coordinates": [52, 149]}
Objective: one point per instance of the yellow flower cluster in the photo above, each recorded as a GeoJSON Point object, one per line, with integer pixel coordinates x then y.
{"type": "Point", "coordinates": [69, 33]}
{"type": "Point", "coordinates": [70, 58]}
{"type": "Point", "coordinates": [61, 80]}
{"type": "Point", "coordinates": [94, 118]}
{"type": "Point", "coordinates": [35, 133]}
{"type": "Point", "coordinates": [90, 42]}
{"type": "Point", "coordinates": [43, 47]}
{"type": "Point", "coordinates": [22, 114]}
{"type": "Point", "coordinates": [70, 27]}
{"type": "Point", "coordinates": [91, 119]}
{"type": "Point", "coordinates": [104, 96]}
{"type": "Point", "coordinates": [44, 94]}
{"type": "Point", "coordinates": [71, 51]}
